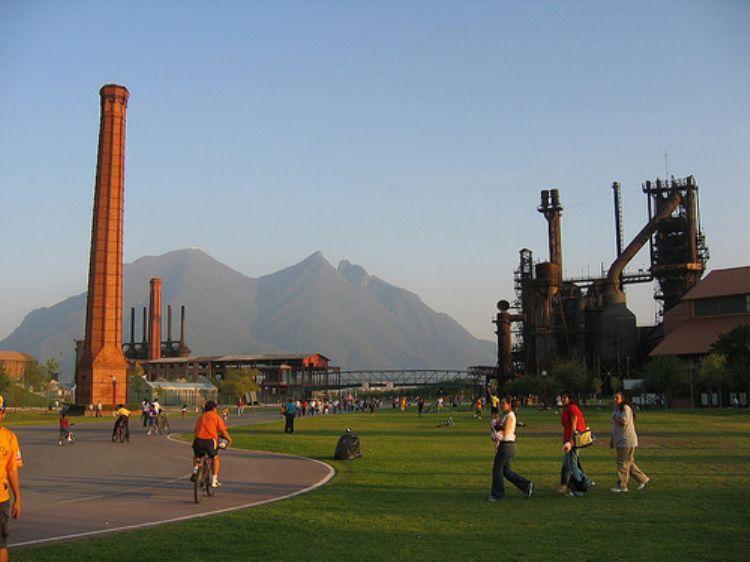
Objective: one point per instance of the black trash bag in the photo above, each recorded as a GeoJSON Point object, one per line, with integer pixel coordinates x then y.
{"type": "Point", "coordinates": [348, 446]}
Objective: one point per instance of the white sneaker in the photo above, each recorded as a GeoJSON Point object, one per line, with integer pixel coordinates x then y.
{"type": "Point", "coordinates": [618, 490]}
{"type": "Point", "coordinates": [643, 484]}
{"type": "Point", "coordinates": [215, 483]}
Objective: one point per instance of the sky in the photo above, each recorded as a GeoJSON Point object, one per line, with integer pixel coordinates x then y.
{"type": "Point", "coordinates": [411, 138]}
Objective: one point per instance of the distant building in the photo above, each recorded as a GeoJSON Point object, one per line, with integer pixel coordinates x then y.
{"type": "Point", "coordinates": [716, 305]}
{"type": "Point", "coordinates": [278, 372]}
{"type": "Point", "coordinates": [14, 363]}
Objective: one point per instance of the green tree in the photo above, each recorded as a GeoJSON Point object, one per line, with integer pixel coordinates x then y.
{"type": "Point", "coordinates": [239, 382]}
{"type": "Point", "coordinates": [50, 369]}
{"type": "Point", "coordinates": [735, 346]}
{"type": "Point", "coordinates": [523, 386]}
{"type": "Point", "coordinates": [136, 387]}
{"type": "Point", "coordinates": [570, 374]}
{"type": "Point", "coordinates": [34, 376]}
{"type": "Point", "coordinates": [712, 372]}
{"type": "Point", "coordinates": [663, 373]}
{"type": "Point", "coordinates": [5, 382]}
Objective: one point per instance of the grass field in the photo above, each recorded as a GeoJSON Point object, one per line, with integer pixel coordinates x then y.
{"type": "Point", "coordinates": [418, 493]}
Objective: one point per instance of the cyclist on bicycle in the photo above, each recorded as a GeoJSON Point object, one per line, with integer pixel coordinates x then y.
{"type": "Point", "coordinates": [123, 419]}
{"type": "Point", "coordinates": [207, 430]}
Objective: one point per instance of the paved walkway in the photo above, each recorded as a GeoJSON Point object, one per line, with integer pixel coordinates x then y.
{"type": "Point", "coordinates": [96, 486]}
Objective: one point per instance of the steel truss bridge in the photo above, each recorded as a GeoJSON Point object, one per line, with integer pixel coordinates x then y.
{"type": "Point", "coordinates": [388, 378]}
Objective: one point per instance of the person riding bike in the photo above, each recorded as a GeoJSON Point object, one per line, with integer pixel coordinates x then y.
{"type": "Point", "coordinates": [123, 419]}
{"type": "Point", "coordinates": [207, 430]}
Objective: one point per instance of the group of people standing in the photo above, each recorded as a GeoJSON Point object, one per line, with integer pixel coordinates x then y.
{"type": "Point", "coordinates": [573, 479]}
{"type": "Point", "coordinates": [153, 416]}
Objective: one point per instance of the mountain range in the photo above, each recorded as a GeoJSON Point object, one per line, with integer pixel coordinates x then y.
{"type": "Point", "coordinates": [357, 320]}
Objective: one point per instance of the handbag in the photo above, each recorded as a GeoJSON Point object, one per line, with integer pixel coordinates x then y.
{"type": "Point", "coordinates": [583, 439]}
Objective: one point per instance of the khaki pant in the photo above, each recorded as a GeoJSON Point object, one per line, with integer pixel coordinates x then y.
{"type": "Point", "coordinates": [626, 467]}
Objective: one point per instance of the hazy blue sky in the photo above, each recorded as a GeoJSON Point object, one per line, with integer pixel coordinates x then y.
{"type": "Point", "coordinates": [411, 137]}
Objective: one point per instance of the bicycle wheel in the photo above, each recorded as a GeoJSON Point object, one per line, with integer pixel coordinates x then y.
{"type": "Point", "coordinates": [198, 485]}
{"type": "Point", "coordinates": [210, 490]}
{"type": "Point", "coordinates": [121, 434]}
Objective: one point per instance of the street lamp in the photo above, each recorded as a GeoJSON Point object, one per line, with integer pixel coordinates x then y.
{"type": "Point", "coordinates": [114, 390]}
{"type": "Point", "coordinates": [544, 388]}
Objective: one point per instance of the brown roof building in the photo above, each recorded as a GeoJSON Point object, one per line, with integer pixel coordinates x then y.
{"type": "Point", "coordinates": [715, 306]}
{"type": "Point", "coordinates": [14, 363]}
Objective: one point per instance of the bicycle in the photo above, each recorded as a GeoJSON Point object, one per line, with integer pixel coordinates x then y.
{"type": "Point", "coordinates": [202, 483]}
{"type": "Point", "coordinates": [67, 438]}
{"type": "Point", "coordinates": [163, 424]}
{"type": "Point", "coordinates": [120, 434]}
{"type": "Point", "coordinates": [203, 478]}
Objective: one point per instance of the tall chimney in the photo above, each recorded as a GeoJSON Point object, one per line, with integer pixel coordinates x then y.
{"type": "Point", "coordinates": [144, 332]}
{"type": "Point", "coordinates": [551, 209]}
{"type": "Point", "coordinates": [182, 349]}
{"type": "Point", "coordinates": [182, 325]}
{"type": "Point", "coordinates": [154, 333]}
{"type": "Point", "coordinates": [132, 329]}
{"type": "Point", "coordinates": [101, 373]}
{"type": "Point", "coordinates": [169, 327]}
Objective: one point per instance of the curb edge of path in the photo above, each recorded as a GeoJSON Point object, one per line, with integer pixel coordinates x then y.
{"type": "Point", "coordinates": [327, 478]}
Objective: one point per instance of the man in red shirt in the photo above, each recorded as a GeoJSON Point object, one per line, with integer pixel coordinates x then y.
{"type": "Point", "coordinates": [207, 430]}
{"type": "Point", "coordinates": [573, 480]}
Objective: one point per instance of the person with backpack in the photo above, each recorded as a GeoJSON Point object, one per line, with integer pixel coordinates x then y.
{"type": "Point", "coordinates": [573, 480]}
{"type": "Point", "coordinates": [625, 440]}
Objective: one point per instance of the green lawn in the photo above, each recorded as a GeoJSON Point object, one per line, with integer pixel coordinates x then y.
{"type": "Point", "coordinates": [419, 492]}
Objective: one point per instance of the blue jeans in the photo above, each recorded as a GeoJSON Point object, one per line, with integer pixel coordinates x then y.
{"type": "Point", "coordinates": [572, 469]}
{"type": "Point", "coordinates": [501, 468]}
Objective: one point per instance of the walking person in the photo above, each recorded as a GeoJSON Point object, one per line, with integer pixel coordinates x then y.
{"type": "Point", "coordinates": [495, 406]}
{"type": "Point", "coordinates": [625, 441]}
{"type": "Point", "coordinates": [289, 414]}
{"type": "Point", "coordinates": [504, 435]}
{"type": "Point", "coordinates": [573, 480]}
{"type": "Point", "coordinates": [144, 412]}
{"type": "Point", "coordinates": [10, 481]}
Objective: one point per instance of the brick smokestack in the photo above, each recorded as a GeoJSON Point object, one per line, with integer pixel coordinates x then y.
{"type": "Point", "coordinates": [154, 333]}
{"type": "Point", "coordinates": [101, 371]}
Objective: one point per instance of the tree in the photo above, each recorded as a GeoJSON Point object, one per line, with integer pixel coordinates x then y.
{"type": "Point", "coordinates": [33, 376]}
{"type": "Point", "coordinates": [663, 373]}
{"type": "Point", "coordinates": [239, 382]}
{"type": "Point", "coordinates": [735, 346]}
{"type": "Point", "coordinates": [5, 382]}
{"type": "Point", "coordinates": [523, 386]}
{"type": "Point", "coordinates": [570, 374]}
{"type": "Point", "coordinates": [712, 370]}
{"type": "Point", "coordinates": [50, 369]}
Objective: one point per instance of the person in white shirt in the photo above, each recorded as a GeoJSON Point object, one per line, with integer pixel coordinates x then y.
{"type": "Point", "coordinates": [503, 433]}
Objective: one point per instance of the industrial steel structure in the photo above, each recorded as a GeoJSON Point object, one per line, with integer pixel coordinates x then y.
{"type": "Point", "coordinates": [587, 317]}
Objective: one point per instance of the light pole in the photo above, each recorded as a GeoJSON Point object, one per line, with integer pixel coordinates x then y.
{"type": "Point", "coordinates": [114, 390]}
{"type": "Point", "coordinates": [544, 389]}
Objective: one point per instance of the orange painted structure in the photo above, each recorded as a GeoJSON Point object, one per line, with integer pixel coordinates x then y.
{"type": "Point", "coordinates": [102, 367]}
{"type": "Point", "coordinates": [154, 322]}
{"type": "Point", "coordinates": [15, 363]}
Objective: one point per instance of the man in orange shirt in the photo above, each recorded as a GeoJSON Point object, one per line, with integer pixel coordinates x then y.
{"type": "Point", "coordinates": [10, 462]}
{"type": "Point", "coordinates": [207, 430]}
